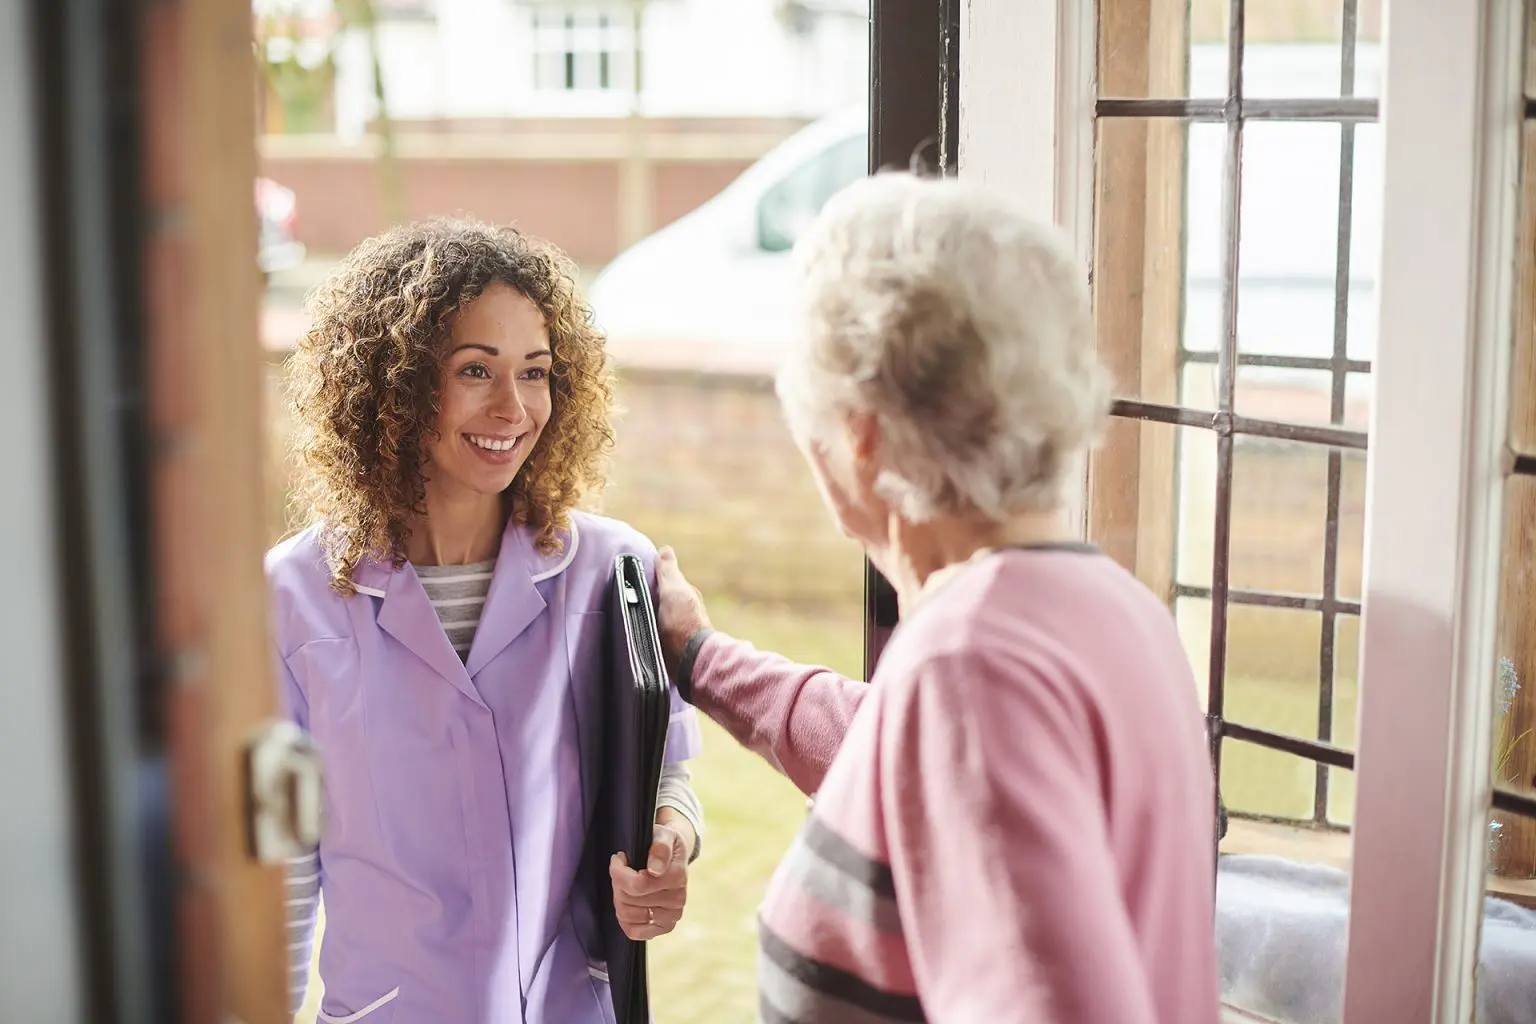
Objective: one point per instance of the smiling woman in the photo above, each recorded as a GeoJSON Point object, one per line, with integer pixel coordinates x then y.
{"type": "Point", "coordinates": [439, 632]}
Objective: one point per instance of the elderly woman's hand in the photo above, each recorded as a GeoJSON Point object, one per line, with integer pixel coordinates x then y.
{"type": "Point", "coordinates": [680, 609]}
{"type": "Point", "coordinates": [650, 902]}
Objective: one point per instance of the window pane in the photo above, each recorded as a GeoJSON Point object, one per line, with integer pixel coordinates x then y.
{"type": "Point", "coordinates": [1297, 48]}
{"type": "Point", "coordinates": [1268, 783]}
{"type": "Point", "coordinates": [1290, 206]}
{"type": "Point", "coordinates": [1162, 48]}
{"type": "Point", "coordinates": [1292, 230]}
{"type": "Point", "coordinates": [1271, 684]}
{"type": "Point", "coordinates": [1290, 395]}
{"type": "Point", "coordinates": [1530, 50]}
{"type": "Point", "coordinates": [1273, 665]}
{"type": "Point", "coordinates": [587, 70]}
{"type": "Point", "coordinates": [1513, 854]}
{"type": "Point", "coordinates": [1279, 516]}
{"type": "Point", "coordinates": [1506, 987]}
{"type": "Point", "coordinates": [1346, 702]}
{"type": "Point", "coordinates": [1351, 552]}
{"type": "Point", "coordinates": [1289, 239]}
{"type": "Point", "coordinates": [1279, 513]}
{"type": "Point", "coordinates": [1522, 432]}
{"type": "Point", "coordinates": [549, 69]}
{"type": "Point", "coordinates": [1204, 258]}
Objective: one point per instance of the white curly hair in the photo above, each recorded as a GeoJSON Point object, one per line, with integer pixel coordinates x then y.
{"type": "Point", "coordinates": [963, 326]}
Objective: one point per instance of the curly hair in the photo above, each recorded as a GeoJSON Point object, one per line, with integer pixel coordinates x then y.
{"type": "Point", "coordinates": [363, 386]}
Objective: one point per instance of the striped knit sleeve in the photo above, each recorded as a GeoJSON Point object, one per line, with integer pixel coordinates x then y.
{"type": "Point", "coordinates": [302, 874]}
{"type": "Point", "coordinates": [677, 793]}
{"type": "Point", "coordinates": [302, 901]}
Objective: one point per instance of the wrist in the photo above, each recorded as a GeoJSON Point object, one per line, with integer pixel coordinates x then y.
{"type": "Point", "coordinates": [678, 822]}
{"type": "Point", "coordinates": [675, 636]}
{"type": "Point", "coordinates": [687, 658]}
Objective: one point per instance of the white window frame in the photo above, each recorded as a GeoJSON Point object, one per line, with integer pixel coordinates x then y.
{"type": "Point", "coordinates": [1451, 124]}
{"type": "Point", "coordinates": [1451, 116]}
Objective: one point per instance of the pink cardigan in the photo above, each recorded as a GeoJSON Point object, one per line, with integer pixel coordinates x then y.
{"type": "Point", "coordinates": [1014, 821]}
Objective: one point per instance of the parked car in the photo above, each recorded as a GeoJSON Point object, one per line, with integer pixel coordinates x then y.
{"type": "Point", "coordinates": [278, 244]}
{"type": "Point", "coordinates": [709, 291]}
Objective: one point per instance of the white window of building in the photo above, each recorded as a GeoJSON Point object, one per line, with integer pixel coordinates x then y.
{"type": "Point", "coordinates": [583, 48]}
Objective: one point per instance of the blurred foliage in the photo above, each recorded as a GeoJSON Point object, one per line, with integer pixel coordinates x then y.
{"type": "Point", "coordinates": [296, 58]}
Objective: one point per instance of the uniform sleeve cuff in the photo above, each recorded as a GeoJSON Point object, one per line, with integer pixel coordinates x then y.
{"type": "Point", "coordinates": [685, 664]}
{"type": "Point", "coordinates": [692, 818]}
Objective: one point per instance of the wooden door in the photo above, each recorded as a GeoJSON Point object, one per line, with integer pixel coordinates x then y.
{"type": "Point", "coordinates": [202, 294]}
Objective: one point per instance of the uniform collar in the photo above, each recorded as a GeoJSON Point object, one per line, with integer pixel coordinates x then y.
{"type": "Point", "coordinates": [512, 605]}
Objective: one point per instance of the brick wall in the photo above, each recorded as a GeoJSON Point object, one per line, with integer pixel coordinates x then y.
{"type": "Point", "coordinates": [341, 202]}
{"type": "Point", "coordinates": [557, 179]}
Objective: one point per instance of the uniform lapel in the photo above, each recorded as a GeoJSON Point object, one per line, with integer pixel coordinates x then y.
{"type": "Point", "coordinates": [406, 614]}
{"type": "Point", "coordinates": [514, 601]}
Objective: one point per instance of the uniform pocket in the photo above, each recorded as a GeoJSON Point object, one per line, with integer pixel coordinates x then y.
{"type": "Point", "coordinates": [380, 1011]}
{"type": "Point", "coordinates": [597, 976]}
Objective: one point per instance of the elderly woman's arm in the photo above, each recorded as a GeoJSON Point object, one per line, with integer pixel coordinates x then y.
{"type": "Point", "coordinates": [793, 715]}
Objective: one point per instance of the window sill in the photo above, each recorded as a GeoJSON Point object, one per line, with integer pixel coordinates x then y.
{"type": "Point", "coordinates": [1232, 1015]}
{"type": "Point", "coordinates": [1318, 846]}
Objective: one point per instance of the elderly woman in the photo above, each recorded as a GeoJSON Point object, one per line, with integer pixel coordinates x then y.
{"type": "Point", "coordinates": [1013, 818]}
{"type": "Point", "coordinates": [439, 629]}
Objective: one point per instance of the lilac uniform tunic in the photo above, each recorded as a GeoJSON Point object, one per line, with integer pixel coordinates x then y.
{"type": "Point", "coordinates": [458, 884]}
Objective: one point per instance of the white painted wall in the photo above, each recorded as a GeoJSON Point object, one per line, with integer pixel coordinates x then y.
{"type": "Point", "coordinates": [39, 917]}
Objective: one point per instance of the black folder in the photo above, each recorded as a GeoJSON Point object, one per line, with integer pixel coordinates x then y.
{"type": "Point", "coordinates": [637, 709]}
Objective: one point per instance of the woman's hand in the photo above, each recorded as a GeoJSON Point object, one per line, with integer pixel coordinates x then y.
{"type": "Point", "coordinates": [680, 611]}
{"type": "Point", "coordinates": [650, 902]}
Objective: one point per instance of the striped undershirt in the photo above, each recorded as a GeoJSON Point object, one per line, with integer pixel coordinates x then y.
{"type": "Point", "coordinates": [458, 593]}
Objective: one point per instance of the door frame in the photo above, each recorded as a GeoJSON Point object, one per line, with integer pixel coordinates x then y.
{"type": "Point", "coordinates": [914, 119]}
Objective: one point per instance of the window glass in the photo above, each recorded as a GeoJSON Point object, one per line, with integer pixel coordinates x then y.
{"type": "Point", "coordinates": [1233, 275]}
